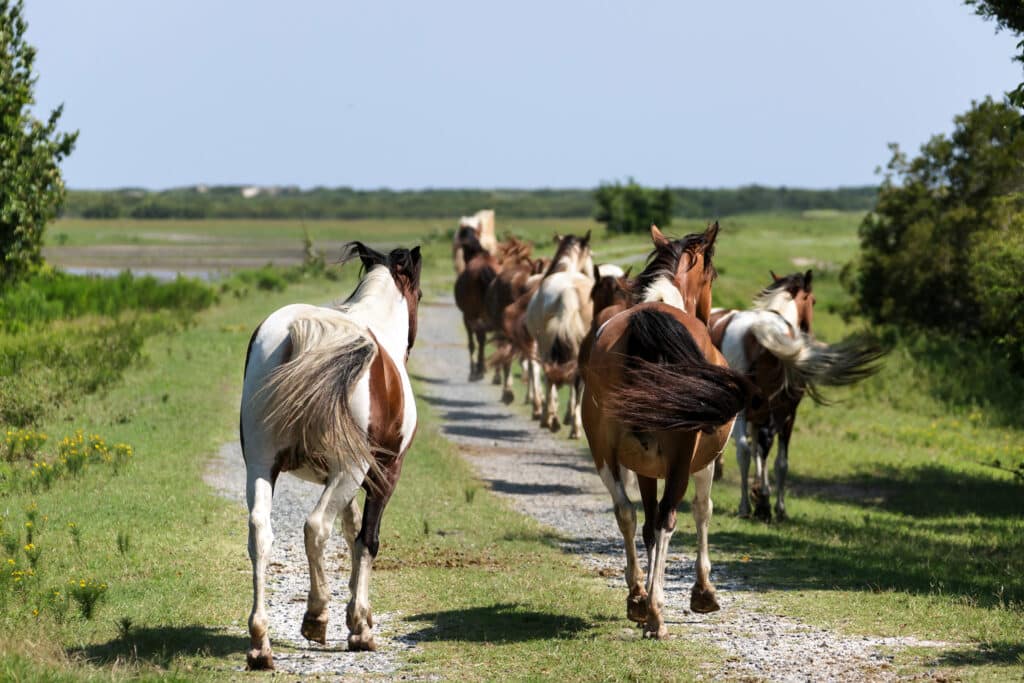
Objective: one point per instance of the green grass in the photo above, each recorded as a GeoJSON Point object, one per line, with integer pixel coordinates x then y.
{"type": "Point", "coordinates": [898, 526]}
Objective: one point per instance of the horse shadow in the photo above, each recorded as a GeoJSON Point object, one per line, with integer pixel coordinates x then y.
{"type": "Point", "coordinates": [161, 645]}
{"type": "Point", "coordinates": [520, 488]}
{"type": "Point", "coordinates": [499, 623]}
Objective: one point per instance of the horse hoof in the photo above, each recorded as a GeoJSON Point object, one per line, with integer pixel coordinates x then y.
{"type": "Point", "coordinates": [781, 516]}
{"type": "Point", "coordinates": [574, 434]}
{"type": "Point", "coordinates": [703, 601]}
{"type": "Point", "coordinates": [507, 397]}
{"type": "Point", "coordinates": [258, 660]}
{"type": "Point", "coordinates": [361, 642]}
{"type": "Point", "coordinates": [314, 630]}
{"type": "Point", "coordinates": [496, 380]}
{"type": "Point", "coordinates": [656, 632]}
{"type": "Point", "coordinates": [537, 415]}
{"type": "Point", "coordinates": [763, 513]}
{"type": "Point", "coordinates": [636, 608]}
{"type": "Point", "coordinates": [555, 425]}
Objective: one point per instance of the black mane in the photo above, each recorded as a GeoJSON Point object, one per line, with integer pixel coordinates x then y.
{"type": "Point", "coordinates": [665, 260]}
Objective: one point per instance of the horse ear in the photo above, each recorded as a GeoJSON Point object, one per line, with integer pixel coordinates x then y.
{"type": "Point", "coordinates": [625, 276]}
{"type": "Point", "coordinates": [658, 237]}
{"type": "Point", "coordinates": [807, 280]}
{"type": "Point", "coordinates": [711, 233]}
{"type": "Point", "coordinates": [558, 238]}
{"type": "Point", "coordinates": [586, 238]}
{"type": "Point", "coordinates": [774, 276]}
{"type": "Point", "coordinates": [597, 273]}
{"type": "Point", "coordinates": [415, 253]}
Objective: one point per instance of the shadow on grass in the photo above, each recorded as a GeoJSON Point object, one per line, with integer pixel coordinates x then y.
{"type": "Point", "coordinates": [500, 623]}
{"type": "Point", "coordinates": [160, 646]}
{"type": "Point", "coordinates": [1000, 652]}
{"type": "Point", "coordinates": [920, 491]}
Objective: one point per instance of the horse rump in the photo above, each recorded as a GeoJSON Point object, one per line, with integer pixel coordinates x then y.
{"type": "Point", "coordinates": [306, 399]}
{"type": "Point", "coordinates": [667, 383]}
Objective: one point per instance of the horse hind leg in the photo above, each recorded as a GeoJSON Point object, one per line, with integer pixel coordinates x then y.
{"type": "Point", "coordinates": [625, 516]}
{"type": "Point", "coordinates": [472, 350]}
{"type": "Point", "coordinates": [575, 409]}
{"type": "Point", "coordinates": [742, 434]}
{"type": "Point", "coordinates": [317, 531]}
{"type": "Point", "coordinates": [507, 395]}
{"type": "Point", "coordinates": [359, 615]}
{"type": "Point", "coordinates": [481, 363]}
{"type": "Point", "coordinates": [259, 497]}
{"type": "Point", "coordinates": [781, 470]}
{"type": "Point", "coordinates": [761, 491]}
{"type": "Point", "coordinates": [702, 596]}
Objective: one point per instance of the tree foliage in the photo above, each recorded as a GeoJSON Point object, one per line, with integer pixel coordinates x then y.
{"type": "Point", "coordinates": [31, 188]}
{"type": "Point", "coordinates": [631, 207]}
{"type": "Point", "coordinates": [944, 247]}
{"type": "Point", "coordinates": [1008, 15]}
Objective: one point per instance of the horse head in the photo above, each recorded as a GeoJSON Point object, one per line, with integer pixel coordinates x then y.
{"type": "Point", "coordinates": [572, 255]}
{"type": "Point", "coordinates": [405, 266]}
{"type": "Point", "coordinates": [610, 291]}
{"type": "Point", "coordinates": [682, 265]}
{"type": "Point", "coordinates": [798, 288]}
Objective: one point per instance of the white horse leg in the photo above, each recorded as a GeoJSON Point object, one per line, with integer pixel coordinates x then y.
{"type": "Point", "coordinates": [656, 583]}
{"type": "Point", "coordinates": [550, 417]}
{"type": "Point", "coordinates": [259, 496]}
{"type": "Point", "coordinates": [576, 407]}
{"type": "Point", "coordinates": [535, 388]}
{"type": "Point", "coordinates": [762, 487]}
{"type": "Point", "coordinates": [741, 432]}
{"type": "Point", "coordinates": [625, 515]}
{"type": "Point", "coordinates": [317, 530]}
{"type": "Point", "coordinates": [359, 614]}
{"type": "Point", "coordinates": [702, 596]}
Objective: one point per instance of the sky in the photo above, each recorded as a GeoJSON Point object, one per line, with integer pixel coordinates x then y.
{"type": "Point", "coordinates": [526, 94]}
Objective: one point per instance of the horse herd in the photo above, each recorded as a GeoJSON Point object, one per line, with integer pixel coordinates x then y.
{"type": "Point", "coordinates": [658, 380]}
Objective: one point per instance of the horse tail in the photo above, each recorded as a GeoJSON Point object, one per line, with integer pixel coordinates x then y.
{"type": "Point", "coordinates": [668, 384]}
{"type": "Point", "coordinates": [307, 397]}
{"type": "Point", "coordinates": [810, 364]}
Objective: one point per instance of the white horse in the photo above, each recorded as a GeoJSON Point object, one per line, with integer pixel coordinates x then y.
{"type": "Point", "coordinates": [326, 396]}
{"type": "Point", "coordinates": [558, 318]}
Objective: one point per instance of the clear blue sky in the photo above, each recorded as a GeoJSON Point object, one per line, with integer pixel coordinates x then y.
{"type": "Point", "coordinates": [515, 94]}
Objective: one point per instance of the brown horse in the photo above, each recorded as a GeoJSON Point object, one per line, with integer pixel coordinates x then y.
{"type": "Point", "coordinates": [773, 345]}
{"type": "Point", "coordinates": [479, 226]}
{"type": "Point", "coordinates": [518, 275]}
{"type": "Point", "coordinates": [326, 396]}
{"type": "Point", "coordinates": [659, 403]}
{"type": "Point", "coordinates": [611, 295]}
{"type": "Point", "coordinates": [470, 287]}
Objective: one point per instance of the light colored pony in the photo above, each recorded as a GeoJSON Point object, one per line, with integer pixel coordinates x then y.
{"type": "Point", "coordinates": [481, 226]}
{"type": "Point", "coordinates": [326, 396]}
{"type": "Point", "coordinates": [558, 318]}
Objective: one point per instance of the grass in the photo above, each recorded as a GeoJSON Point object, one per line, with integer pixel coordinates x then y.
{"type": "Point", "coordinates": [899, 525]}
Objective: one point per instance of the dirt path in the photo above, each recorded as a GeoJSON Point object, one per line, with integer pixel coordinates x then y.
{"type": "Point", "coordinates": [552, 480]}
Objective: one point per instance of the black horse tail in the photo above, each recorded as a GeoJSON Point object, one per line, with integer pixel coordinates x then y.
{"type": "Point", "coordinates": [668, 385]}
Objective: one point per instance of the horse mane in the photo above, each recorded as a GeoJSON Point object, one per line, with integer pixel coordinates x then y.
{"type": "Point", "coordinates": [566, 244]}
{"type": "Point", "coordinates": [664, 260]}
{"type": "Point", "coordinates": [789, 285]}
{"type": "Point", "coordinates": [404, 265]}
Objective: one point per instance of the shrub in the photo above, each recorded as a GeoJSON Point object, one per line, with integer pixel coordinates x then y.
{"type": "Point", "coordinates": [632, 208]}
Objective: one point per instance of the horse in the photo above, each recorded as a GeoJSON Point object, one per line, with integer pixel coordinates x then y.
{"type": "Point", "coordinates": [481, 226]}
{"type": "Point", "coordinates": [611, 294]}
{"type": "Point", "coordinates": [470, 288]}
{"type": "Point", "coordinates": [558, 317]}
{"type": "Point", "coordinates": [659, 402]}
{"type": "Point", "coordinates": [326, 396]}
{"type": "Point", "coordinates": [518, 274]}
{"type": "Point", "coordinates": [773, 345]}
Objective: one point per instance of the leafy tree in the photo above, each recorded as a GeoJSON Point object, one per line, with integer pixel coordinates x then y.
{"type": "Point", "coordinates": [632, 208]}
{"type": "Point", "coordinates": [943, 247]}
{"type": "Point", "coordinates": [1009, 15]}
{"type": "Point", "coordinates": [31, 188]}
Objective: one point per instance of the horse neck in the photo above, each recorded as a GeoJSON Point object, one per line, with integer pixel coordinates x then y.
{"type": "Point", "coordinates": [378, 304]}
{"type": "Point", "coordinates": [666, 291]}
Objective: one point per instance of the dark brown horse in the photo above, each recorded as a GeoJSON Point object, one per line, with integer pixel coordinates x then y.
{"type": "Point", "coordinates": [659, 403]}
{"type": "Point", "coordinates": [470, 288]}
{"type": "Point", "coordinates": [773, 345]}
{"type": "Point", "coordinates": [326, 396]}
{"type": "Point", "coordinates": [611, 294]}
{"type": "Point", "coordinates": [518, 274]}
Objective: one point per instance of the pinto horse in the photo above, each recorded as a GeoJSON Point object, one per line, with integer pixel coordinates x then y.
{"type": "Point", "coordinates": [558, 318]}
{"type": "Point", "coordinates": [773, 345]}
{"type": "Point", "coordinates": [470, 288]}
{"type": "Point", "coordinates": [659, 403]}
{"type": "Point", "coordinates": [326, 396]}
{"type": "Point", "coordinates": [479, 226]}
{"type": "Point", "coordinates": [518, 275]}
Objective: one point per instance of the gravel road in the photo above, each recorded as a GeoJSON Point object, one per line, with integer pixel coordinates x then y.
{"type": "Point", "coordinates": [552, 480]}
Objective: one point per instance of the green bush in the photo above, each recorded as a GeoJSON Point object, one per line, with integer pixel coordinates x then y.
{"type": "Point", "coordinates": [943, 247]}
{"type": "Point", "coordinates": [632, 208]}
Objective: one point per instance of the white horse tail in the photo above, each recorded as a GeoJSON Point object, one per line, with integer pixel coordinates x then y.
{"type": "Point", "coordinates": [307, 397]}
{"type": "Point", "coordinates": [809, 363]}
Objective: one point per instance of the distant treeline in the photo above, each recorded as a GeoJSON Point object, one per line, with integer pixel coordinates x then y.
{"type": "Point", "coordinates": [346, 203]}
